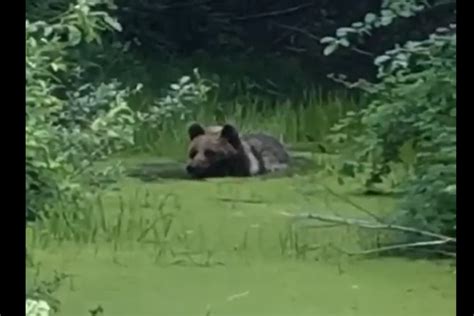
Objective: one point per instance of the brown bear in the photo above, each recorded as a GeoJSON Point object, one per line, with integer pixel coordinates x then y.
{"type": "Point", "coordinates": [219, 151]}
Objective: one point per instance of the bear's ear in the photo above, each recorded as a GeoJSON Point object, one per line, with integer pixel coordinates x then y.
{"type": "Point", "coordinates": [195, 130]}
{"type": "Point", "coordinates": [231, 134]}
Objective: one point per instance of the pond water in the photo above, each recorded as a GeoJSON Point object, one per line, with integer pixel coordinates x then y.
{"type": "Point", "coordinates": [223, 247]}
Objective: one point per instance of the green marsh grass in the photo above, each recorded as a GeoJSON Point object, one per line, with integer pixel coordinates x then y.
{"type": "Point", "coordinates": [308, 121]}
{"type": "Point", "coordinates": [176, 246]}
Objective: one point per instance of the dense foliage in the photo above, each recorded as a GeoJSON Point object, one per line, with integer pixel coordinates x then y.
{"type": "Point", "coordinates": [252, 46]}
{"type": "Point", "coordinates": [71, 123]}
{"type": "Point", "coordinates": [412, 103]}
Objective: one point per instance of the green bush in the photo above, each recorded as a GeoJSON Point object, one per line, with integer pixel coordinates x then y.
{"type": "Point", "coordinates": [412, 103]}
{"type": "Point", "coordinates": [72, 123]}
{"type": "Point", "coordinates": [67, 128]}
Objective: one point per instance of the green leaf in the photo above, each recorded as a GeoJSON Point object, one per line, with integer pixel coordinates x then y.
{"type": "Point", "coordinates": [327, 39]}
{"type": "Point", "coordinates": [381, 59]}
{"type": "Point", "coordinates": [112, 134]}
{"type": "Point", "coordinates": [370, 18]}
{"type": "Point", "coordinates": [410, 45]}
{"type": "Point", "coordinates": [343, 31]}
{"type": "Point", "coordinates": [75, 35]}
{"type": "Point", "coordinates": [405, 13]}
{"type": "Point", "coordinates": [47, 31]}
{"type": "Point", "coordinates": [442, 30]}
{"type": "Point", "coordinates": [55, 67]}
{"type": "Point", "coordinates": [330, 49]}
{"type": "Point", "coordinates": [386, 20]}
{"type": "Point", "coordinates": [113, 23]}
{"type": "Point", "coordinates": [184, 80]}
{"type": "Point", "coordinates": [344, 42]}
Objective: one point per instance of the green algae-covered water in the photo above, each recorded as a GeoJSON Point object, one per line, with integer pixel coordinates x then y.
{"type": "Point", "coordinates": [172, 246]}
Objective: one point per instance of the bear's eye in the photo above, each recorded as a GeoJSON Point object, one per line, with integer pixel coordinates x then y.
{"type": "Point", "coordinates": [209, 153]}
{"type": "Point", "coordinates": [192, 154]}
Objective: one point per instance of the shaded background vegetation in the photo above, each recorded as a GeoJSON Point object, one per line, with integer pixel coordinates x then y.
{"type": "Point", "coordinates": [264, 47]}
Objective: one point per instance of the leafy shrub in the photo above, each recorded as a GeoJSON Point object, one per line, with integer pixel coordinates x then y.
{"type": "Point", "coordinates": [68, 130]}
{"type": "Point", "coordinates": [413, 102]}
{"type": "Point", "coordinates": [181, 101]}
{"type": "Point", "coordinates": [71, 123]}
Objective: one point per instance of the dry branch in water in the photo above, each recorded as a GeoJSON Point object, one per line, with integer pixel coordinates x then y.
{"type": "Point", "coordinates": [437, 239]}
{"type": "Point", "coordinates": [403, 246]}
{"type": "Point", "coordinates": [371, 225]}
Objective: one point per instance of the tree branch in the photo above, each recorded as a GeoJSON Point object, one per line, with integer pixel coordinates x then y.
{"type": "Point", "coordinates": [401, 246]}
{"type": "Point", "coordinates": [372, 225]}
{"type": "Point", "coordinates": [274, 13]}
{"type": "Point", "coordinates": [317, 38]}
